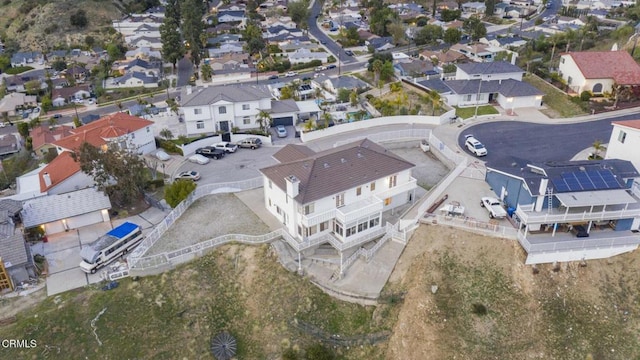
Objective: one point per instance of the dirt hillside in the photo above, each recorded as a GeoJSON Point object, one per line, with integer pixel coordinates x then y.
{"type": "Point", "coordinates": [471, 297]}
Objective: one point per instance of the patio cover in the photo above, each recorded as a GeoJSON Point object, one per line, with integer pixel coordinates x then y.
{"type": "Point", "coordinates": [595, 198]}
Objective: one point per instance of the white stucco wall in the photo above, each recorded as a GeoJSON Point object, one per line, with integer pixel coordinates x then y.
{"type": "Point", "coordinates": [629, 150]}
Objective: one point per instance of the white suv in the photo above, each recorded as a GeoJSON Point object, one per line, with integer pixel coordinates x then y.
{"type": "Point", "coordinates": [475, 146]}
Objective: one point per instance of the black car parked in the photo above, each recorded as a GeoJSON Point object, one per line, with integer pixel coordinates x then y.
{"type": "Point", "coordinates": [210, 152]}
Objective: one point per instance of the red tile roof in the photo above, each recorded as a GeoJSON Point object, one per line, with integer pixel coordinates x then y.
{"type": "Point", "coordinates": [628, 123]}
{"type": "Point", "coordinates": [616, 65]}
{"type": "Point", "coordinates": [44, 134]}
{"type": "Point", "coordinates": [98, 132]}
{"type": "Point", "coordinates": [59, 169]}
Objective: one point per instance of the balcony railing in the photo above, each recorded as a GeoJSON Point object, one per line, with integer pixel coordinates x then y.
{"type": "Point", "coordinates": [601, 241]}
{"type": "Point", "coordinates": [398, 189]}
{"type": "Point", "coordinates": [358, 210]}
{"type": "Point", "coordinates": [528, 216]}
{"type": "Point", "coordinates": [315, 219]}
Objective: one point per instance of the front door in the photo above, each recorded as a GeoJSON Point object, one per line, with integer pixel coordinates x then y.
{"type": "Point", "coordinates": [224, 126]}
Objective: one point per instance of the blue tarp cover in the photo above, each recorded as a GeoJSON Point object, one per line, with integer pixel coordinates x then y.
{"type": "Point", "coordinates": [123, 230]}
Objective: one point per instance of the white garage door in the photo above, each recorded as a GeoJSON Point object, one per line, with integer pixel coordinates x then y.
{"type": "Point", "coordinates": [84, 220]}
{"type": "Point", "coordinates": [53, 227]}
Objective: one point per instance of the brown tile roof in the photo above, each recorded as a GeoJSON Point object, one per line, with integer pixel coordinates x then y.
{"type": "Point", "coordinates": [97, 132]}
{"type": "Point", "coordinates": [336, 170]}
{"type": "Point", "coordinates": [628, 123]}
{"type": "Point", "coordinates": [67, 92]}
{"type": "Point", "coordinates": [293, 152]}
{"type": "Point", "coordinates": [616, 65]}
{"type": "Point", "coordinates": [59, 169]}
{"type": "Point", "coordinates": [44, 134]}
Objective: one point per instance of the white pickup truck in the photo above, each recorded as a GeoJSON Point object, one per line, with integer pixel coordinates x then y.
{"type": "Point", "coordinates": [494, 207]}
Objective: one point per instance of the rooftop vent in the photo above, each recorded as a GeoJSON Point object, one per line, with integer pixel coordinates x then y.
{"type": "Point", "coordinates": [582, 168]}
{"type": "Point", "coordinates": [326, 166]}
{"type": "Point", "coordinates": [342, 160]}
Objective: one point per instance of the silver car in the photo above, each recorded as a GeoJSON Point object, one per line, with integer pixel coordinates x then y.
{"type": "Point", "coordinates": [281, 131]}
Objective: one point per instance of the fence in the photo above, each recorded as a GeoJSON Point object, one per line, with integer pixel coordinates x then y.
{"type": "Point", "coordinates": [473, 225]}
{"type": "Point", "coordinates": [390, 232]}
{"type": "Point", "coordinates": [199, 192]}
{"type": "Point", "coordinates": [388, 136]}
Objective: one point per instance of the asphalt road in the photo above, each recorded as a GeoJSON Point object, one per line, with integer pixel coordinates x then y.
{"type": "Point", "coordinates": [315, 31]}
{"type": "Point", "coordinates": [538, 142]}
{"type": "Point", "coordinates": [185, 70]}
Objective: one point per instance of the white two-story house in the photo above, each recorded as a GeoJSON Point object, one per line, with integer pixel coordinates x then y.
{"type": "Point", "coordinates": [336, 196]}
{"type": "Point", "coordinates": [624, 143]}
{"type": "Point", "coordinates": [221, 108]}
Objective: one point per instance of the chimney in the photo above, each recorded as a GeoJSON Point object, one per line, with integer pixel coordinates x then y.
{"type": "Point", "coordinates": [47, 179]}
{"type": "Point", "coordinates": [514, 56]}
{"type": "Point", "coordinates": [293, 186]}
{"type": "Point", "coordinates": [189, 89]}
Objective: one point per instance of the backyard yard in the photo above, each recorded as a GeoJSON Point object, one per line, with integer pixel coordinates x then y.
{"type": "Point", "coordinates": [559, 105]}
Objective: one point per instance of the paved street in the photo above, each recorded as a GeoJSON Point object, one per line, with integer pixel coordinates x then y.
{"type": "Point", "coordinates": [317, 33]}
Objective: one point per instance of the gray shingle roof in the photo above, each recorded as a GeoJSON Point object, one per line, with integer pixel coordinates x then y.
{"type": "Point", "coordinates": [11, 206]}
{"type": "Point", "coordinates": [283, 106]}
{"type": "Point", "coordinates": [508, 87]}
{"type": "Point", "coordinates": [336, 170]}
{"type": "Point", "coordinates": [496, 67]}
{"type": "Point", "coordinates": [293, 152]}
{"type": "Point", "coordinates": [231, 93]}
{"type": "Point", "coordinates": [12, 245]}
{"type": "Point", "coordinates": [50, 208]}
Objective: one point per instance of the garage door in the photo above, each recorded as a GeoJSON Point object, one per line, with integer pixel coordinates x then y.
{"type": "Point", "coordinates": [84, 220]}
{"type": "Point", "coordinates": [286, 121]}
{"type": "Point", "coordinates": [53, 227]}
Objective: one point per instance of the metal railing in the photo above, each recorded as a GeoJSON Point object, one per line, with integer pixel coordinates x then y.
{"type": "Point", "coordinates": [475, 226]}
{"type": "Point", "coordinates": [155, 234]}
{"type": "Point", "coordinates": [530, 217]}
{"type": "Point", "coordinates": [388, 136]}
{"type": "Point", "coordinates": [573, 245]}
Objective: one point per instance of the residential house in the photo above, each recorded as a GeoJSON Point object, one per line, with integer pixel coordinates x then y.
{"type": "Point", "coordinates": [336, 196]}
{"type": "Point", "coordinates": [23, 58]}
{"type": "Point", "coordinates": [15, 83]}
{"type": "Point", "coordinates": [59, 83]}
{"type": "Point", "coordinates": [143, 53]}
{"type": "Point", "coordinates": [9, 144]}
{"type": "Point", "coordinates": [221, 108]}
{"type": "Point", "coordinates": [443, 58]}
{"type": "Point", "coordinates": [554, 200]}
{"type": "Point", "coordinates": [477, 52]}
{"type": "Point", "coordinates": [598, 4]}
{"type": "Point", "coordinates": [231, 16]}
{"type": "Point", "coordinates": [14, 252]}
{"type": "Point", "coordinates": [76, 71]}
{"type": "Point", "coordinates": [132, 79]}
{"type": "Point", "coordinates": [130, 24]}
{"type": "Point", "coordinates": [380, 43]}
{"type": "Point", "coordinates": [302, 56]}
{"type": "Point", "coordinates": [507, 42]}
{"type": "Point", "coordinates": [598, 71]}
{"type": "Point", "coordinates": [13, 102]}
{"type": "Point", "coordinates": [64, 96]}
{"type": "Point", "coordinates": [68, 211]}
{"type": "Point", "coordinates": [414, 68]}
{"type": "Point", "coordinates": [56, 55]}
{"type": "Point", "coordinates": [283, 112]}
{"type": "Point", "coordinates": [149, 30]}
{"type": "Point", "coordinates": [145, 41]}
{"type": "Point", "coordinates": [224, 38]}
{"type": "Point", "coordinates": [141, 66]}
{"type": "Point", "coordinates": [342, 82]}
{"type": "Point", "coordinates": [625, 142]}
{"type": "Point", "coordinates": [227, 48]}
{"type": "Point", "coordinates": [44, 136]}
{"type": "Point", "coordinates": [225, 61]}
{"type": "Point", "coordinates": [483, 83]}
{"type": "Point", "coordinates": [474, 8]}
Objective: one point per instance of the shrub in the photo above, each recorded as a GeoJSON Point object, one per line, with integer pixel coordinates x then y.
{"type": "Point", "coordinates": [168, 146]}
{"type": "Point", "coordinates": [585, 96]}
{"type": "Point", "coordinates": [178, 191]}
{"type": "Point", "coordinates": [78, 19]}
{"type": "Point", "coordinates": [154, 184]}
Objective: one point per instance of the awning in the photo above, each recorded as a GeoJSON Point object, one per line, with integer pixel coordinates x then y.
{"type": "Point", "coordinates": [596, 198]}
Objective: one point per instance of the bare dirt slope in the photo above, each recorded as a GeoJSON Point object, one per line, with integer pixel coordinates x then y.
{"type": "Point", "coordinates": [488, 305]}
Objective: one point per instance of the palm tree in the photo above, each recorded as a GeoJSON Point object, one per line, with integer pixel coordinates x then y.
{"type": "Point", "coordinates": [263, 119]}
{"type": "Point", "coordinates": [327, 118]}
{"type": "Point", "coordinates": [377, 68]}
{"type": "Point", "coordinates": [119, 105]}
{"type": "Point", "coordinates": [435, 99]}
{"type": "Point", "coordinates": [166, 133]}
{"type": "Point", "coordinates": [53, 122]}
{"type": "Point", "coordinates": [598, 148]}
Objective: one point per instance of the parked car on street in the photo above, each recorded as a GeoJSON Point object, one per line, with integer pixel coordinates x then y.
{"type": "Point", "coordinates": [332, 66]}
{"type": "Point", "coordinates": [291, 74]}
{"type": "Point", "coordinates": [199, 159]}
{"type": "Point", "coordinates": [273, 77]}
{"type": "Point", "coordinates": [188, 175]}
{"type": "Point", "coordinates": [226, 147]}
{"type": "Point", "coordinates": [494, 207]}
{"type": "Point", "coordinates": [475, 146]}
{"type": "Point", "coordinates": [321, 68]}
{"type": "Point", "coordinates": [210, 152]}
{"type": "Point", "coordinates": [162, 156]}
{"type": "Point", "coordinates": [281, 131]}
{"type": "Point", "coordinates": [348, 52]}
{"type": "Point", "coordinates": [250, 143]}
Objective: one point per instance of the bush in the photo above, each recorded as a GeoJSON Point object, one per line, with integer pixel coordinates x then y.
{"type": "Point", "coordinates": [168, 146]}
{"type": "Point", "coordinates": [78, 19]}
{"type": "Point", "coordinates": [318, 352]}
{"type": "Point", "coordinates": [310, 64]}
{"type": "Point", "coordinates": [585, 96]}
{"type": "Point", "coordinates": [18, 70]}
{"type": "Point", "coordinates": [154, 184]}
{"type": "Point", "coordinates": [178, 191]}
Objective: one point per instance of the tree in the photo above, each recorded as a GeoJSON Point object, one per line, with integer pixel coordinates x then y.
{"type": "Point", "coordinates": [286, 93]}
{"type": "Point", "coordinates": [23, 129]}
{"type": "Point", "coordinates": [175, 193]}
{"type": "Point", "coordinates": [53, 121]}
{"type": "Point", "coordinates": [253, 36]}
{"type": "Point", "coordinates": [598, 148]}
{"type": "Point", "coordinates": [475, 28]}
{"type": "Point", "coordinates": [46, 104]}
{"type": "Point", "coordinates": [166, 133]}
{"type": "Point", "coordinates": [299, 12]}
{"type": "Point", "coordinates": [120, 173]}
{"type": "Point", "coordinates": [452, 36]}
{"type": "Point", "coordinates": [396, 30]}
{"type": "Point", "coordinates": [206, 71]}
{"type": "Point", "coordinates": [89, 41]}
{"type": "Point", "coordinates": [76, 122]}
{"type": "Point", "coordinates": [490, 7]}
{"type": "Point", "coordinates": [428, 34]}
{"type": "Point", "coordinates": [33, 87]}
{"type": "Point", "coordinates": [434, 98]}
{"type": "Point", "coordinates": [78, 19]}
{"type": "Point", "coordinates": [380, 17]}
{"type": "Point", "coordinates": [386, 73]}
{"type": "Point", "coordinates": [5, 63]}
{"type": "Point", "coordinates": [115, 51]}
{"type": "Point", "coordinates": [263, 119]}
{"type": "Point", "coordinates": [343, 95]}
{"type": "Point", "coordinates": [353, 98]}
{"type": "Point", "coordinates": [450, 15]}
{"type": "Point", "coordinates": [59, 65]}
{"type": "Point", "coordinates": [376, 67]}
{"type": "Point", "coordinates": [172, 46]}
{"type": "Point", "coordinates": [192, 27]}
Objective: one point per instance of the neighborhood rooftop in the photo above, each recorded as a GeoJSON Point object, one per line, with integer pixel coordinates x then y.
{"type": "Point", "coordinates": [231, 93]}
{"type": "Point", "coordinates": [607, 64]}
{"type": "Point", "coordinates": [44, 209]}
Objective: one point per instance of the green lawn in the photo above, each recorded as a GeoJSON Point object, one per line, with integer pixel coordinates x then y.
{"type": "Point", "coordinates": [469, 112]}
{"type": "Point", "coordinates": [559, 104]}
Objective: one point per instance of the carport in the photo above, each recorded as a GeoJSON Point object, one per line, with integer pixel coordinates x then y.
{"type": "Point", "coordinates": [283, 112]}
{"type": "Point", "coordinates": [62, 212]}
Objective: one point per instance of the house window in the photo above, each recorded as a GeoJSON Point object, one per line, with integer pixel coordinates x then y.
{"type": "Point", "coordinates": [200, 125]}
{"type": "Point", "coordinates": [269, 202]}
{"type": "Point", "coordinates": [374, 222]}
{"type": "Point", "coordinates": [351, 231]}
{"type": "Point", "coordinates": [270, 184]}
{"type": "Point", "coordinates": [340, 200]}
{"type": "Point", "coordinates": [393, 181]}
{"type": "Point", "coordinates": [622, 136]}
{"type": "Point", "coordinates": [148, 129]}
{"type": "Point", "coordinates": [372, 186]}
{"type": "Point", "coordinates": [311, 230]}
{"type": "Point", "coordinates": [569, 80]}
{"type": "Point", "coordinates": [308, 209]}
{"type": "Point", "coordinates": [562, 60]}
{"type": "Point", "coordinates": [197, 111]}
{"type": "Point", "coordinates": [222, 110]}
{"type": "Point", "coordinates": [363, 226]}
{"type": "Point", "coordinates": [324, 226]}
{"type": "Point", "coordinates": [133, 135]}
{"type": "Point", "coordinates": [338, 228]}
{"type": "Point", "coordinates": [359, 191]}
{"type": "Point", "coordinates": [467, 98]}
{"type": "Point", "coordinates": [246, 107]}
{"type": "Point", "coordinates": [246, 120]}
{"type": "Point", "coordinates": [299, 230]}
{"type": "Point", "coordinates": [387, 201]}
